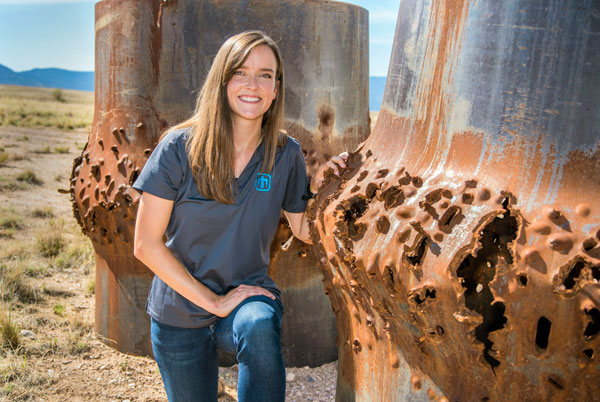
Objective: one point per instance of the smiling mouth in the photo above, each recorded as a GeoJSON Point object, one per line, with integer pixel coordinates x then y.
{"type": "Point", "coordinates": [249, 99]}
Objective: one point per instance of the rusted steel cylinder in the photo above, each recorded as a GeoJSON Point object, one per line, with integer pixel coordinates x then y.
{"type": "Point", "coordinates": [151, 58]}
{"type": "Point", "coordinates": [461, 245]}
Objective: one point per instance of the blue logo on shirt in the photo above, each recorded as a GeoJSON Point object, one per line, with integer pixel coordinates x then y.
{"type": "Point", "coordinates": [263, 182]}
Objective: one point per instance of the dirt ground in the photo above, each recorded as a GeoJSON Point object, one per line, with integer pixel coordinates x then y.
{"type": "Point", "coordinates": [59, 357]}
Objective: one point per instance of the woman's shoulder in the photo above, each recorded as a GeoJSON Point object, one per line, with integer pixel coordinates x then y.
{"type": "Point", "coordinates": [288, 143]}
{"type": "Point", "coordinates": [176, 136]}
{"type": "Point", "coordinates": [175, 140]}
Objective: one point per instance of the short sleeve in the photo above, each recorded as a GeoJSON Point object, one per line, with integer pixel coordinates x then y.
{"type": "Point", "coordinates": [297, 182]}
{"type": "Point", "coordinates": [162, 175]}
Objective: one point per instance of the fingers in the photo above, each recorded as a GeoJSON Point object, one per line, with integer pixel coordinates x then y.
{"type": "Point", "coordinates": [335, 163]}
{"type": "Point", "coordinates": [255, 291]}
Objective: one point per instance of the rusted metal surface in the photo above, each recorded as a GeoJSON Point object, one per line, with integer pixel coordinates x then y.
{"type": "Point", "coordinates": [151, 59]}
{"type": "Point", "coordinates": [461, 246]}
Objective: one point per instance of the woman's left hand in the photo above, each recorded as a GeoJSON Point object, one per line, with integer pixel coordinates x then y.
{"type": "Point", "coordinates": [336, 163]}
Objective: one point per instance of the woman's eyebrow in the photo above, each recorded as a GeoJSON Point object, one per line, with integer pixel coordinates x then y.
{"type": "Point", "coordinates": [261, 69]}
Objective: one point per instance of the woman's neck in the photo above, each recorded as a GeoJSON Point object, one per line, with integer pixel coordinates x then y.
{"type": "Point", "coordinates": [246, 136]}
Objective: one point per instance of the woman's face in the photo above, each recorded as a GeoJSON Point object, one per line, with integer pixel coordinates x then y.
{"type": "Point", "coordinates": [253, 87]}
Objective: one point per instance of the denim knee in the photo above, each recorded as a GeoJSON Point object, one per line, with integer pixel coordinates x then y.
{"type": "Point", "coordinates": [257, 327]}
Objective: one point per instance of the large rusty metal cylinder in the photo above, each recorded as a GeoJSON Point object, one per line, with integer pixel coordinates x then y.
{"type": "Point", "coordinates": [151, 59]}
{"type": "Point", "coordinates": [461, 245]}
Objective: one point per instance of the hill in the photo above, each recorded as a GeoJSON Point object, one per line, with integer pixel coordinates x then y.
{"type": "Point", "coordinates": [48, 78]}
{"type": "Point", "coordinates": [84, 81]}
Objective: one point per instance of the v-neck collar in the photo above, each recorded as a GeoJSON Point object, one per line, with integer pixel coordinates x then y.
{"type": "Point", "coordinates": [256, 157]}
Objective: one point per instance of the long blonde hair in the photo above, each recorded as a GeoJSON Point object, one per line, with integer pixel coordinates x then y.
{"type": "Point", "coordinates": [210, 145]}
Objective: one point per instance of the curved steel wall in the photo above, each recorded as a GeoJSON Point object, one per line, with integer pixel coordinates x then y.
{"type": "Point", "coordinates": [151, 59]}
{"type": "Point", "coordinates": [461, 246]}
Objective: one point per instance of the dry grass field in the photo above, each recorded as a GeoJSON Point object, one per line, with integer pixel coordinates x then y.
{"type": "Point", "coordinates": [48, 348]}
{"type": "Point", "coordinates": [45, 107]}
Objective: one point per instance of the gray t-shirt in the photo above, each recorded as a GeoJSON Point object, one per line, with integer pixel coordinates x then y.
{"type": "Point", "coordinates": [221, 245]}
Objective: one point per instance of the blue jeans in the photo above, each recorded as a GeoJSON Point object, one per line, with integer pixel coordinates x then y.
{"type": "Point", "coordinates": [188, 362]}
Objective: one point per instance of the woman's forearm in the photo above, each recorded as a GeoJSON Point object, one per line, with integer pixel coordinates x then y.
{"type": "Point", "coordinates": [160, 260]}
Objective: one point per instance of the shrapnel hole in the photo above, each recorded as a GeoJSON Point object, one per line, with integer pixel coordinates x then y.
{"type": "Point", "coordinates": [593, 326]}
{"type": "Point", "coordinates": [429, 294]}
{"type": "Point", "coordinates": [415, 257]}
{"type": "Point", "coordinates": [574, 273]}
{"type": "Point", "coordinates": [476, 272]}
{"type": "Point", "coordinates": [589, 353]}
{"type": "Point", "coordinates": [543, 332]}
{"type": "Point", "coordinates": [596, 273]}
{"type": "Point", "coordinates": [353, 209]}
{"type": "Point", "coordinates": [523, 280]}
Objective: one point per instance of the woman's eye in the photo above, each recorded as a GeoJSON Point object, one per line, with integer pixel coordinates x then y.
{"type": "Point", "coordinates": [266, 75]}
{"type": "Point", "coordinates": [238, 73]}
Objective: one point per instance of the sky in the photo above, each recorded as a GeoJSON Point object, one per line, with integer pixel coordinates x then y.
{"type": "Point", "coordinates": [60, 33]}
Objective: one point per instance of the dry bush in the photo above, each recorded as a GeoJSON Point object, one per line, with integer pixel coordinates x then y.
{"type": "Point", "coordinates": [45, 212]}
{"type": "Point", "coordinates": [9, 331]}
{"type": "Point", "coordinates": [3, 157]}
{"type": "Point", "coordinates": [57, 94]}
{"type": "Point", "coordinates": [61, 150]}
{"type": "Point", "coordinates": [10, 221]}
{"type": "Point", "coordinates": [13, 283]}
{"type": "Point", "coordinates": [90, 286]}
{"type": "Point", "coordinates": [45, 150]}
{"type": "Point", "coordinates": [50, 241]}
{"type": "Point", "coordinates": [29, 176]}
{"type": "Point", "coordinates": [10, 184]}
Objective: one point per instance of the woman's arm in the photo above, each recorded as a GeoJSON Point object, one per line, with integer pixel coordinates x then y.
{"type": "Point", "coordinates": [152, 220]}
{"type": "Point", "coordinates": [299, 221]}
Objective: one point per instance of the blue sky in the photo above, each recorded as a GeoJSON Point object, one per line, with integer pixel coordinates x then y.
{"type": "Point", "coordinates": [60, 33]}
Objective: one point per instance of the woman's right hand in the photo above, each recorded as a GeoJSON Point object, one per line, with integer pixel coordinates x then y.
{"type": "Point", "coordinates": [226, 303]}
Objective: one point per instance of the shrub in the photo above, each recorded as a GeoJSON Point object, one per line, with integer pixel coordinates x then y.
{"type": "Point", "coordinates": [30, 177]}
{"type": "Point", "coordinates": [61, 150]}
{"type": "Point", "coordinates": [13, 285]}
{"type": "Point", "coordinates": [3, 157]}
{"type": "Point", "coordinates": [90, 286]}
{"type": "Point", "coordinates": [58, 309]}
{"type": "Point", "coordinates": [9, 331]}
{"type": "Point", "coordinates": [57, 94]}
{"type": "Point", "coordinates": [43, 150]}
{"type": "Point", "coordinates": [45, 212]}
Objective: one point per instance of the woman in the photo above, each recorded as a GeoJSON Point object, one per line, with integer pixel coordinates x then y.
{"type": "Point", "coordinates": [215, 186]}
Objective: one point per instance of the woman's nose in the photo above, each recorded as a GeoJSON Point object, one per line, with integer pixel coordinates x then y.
{"type": "Point", "coordinates": [252, 80]}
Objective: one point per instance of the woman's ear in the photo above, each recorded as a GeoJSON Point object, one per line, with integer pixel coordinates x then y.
{"type": "Point", "coordinates": [275, 90]}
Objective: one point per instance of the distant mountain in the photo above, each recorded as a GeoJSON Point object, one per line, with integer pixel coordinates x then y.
{"type": "Point", "coordinates": [376, 89]}
{"type": "Point", "coordinates": [48, 78]}
{"type": "Point", "coordinates": [84, 81]}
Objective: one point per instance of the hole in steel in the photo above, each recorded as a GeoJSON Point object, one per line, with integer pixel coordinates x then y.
{"type": "Point", "coordinates": [415, 257]}
{"type": "Point", "coordinates": [589, 353]}
{"type": "Point", "coordinates": [543, 332]}
{"type": "Point", "coordinates": [429, 294]}
{"type": "Point", "coordinates": [574, 273]}
{"type": "Point", "coordinates": [353, 209]}
{"type": "Point", "coordinates": [593, 327]}
{"type": "Point", "coordinates": [476, 272]}
{"type": "Point", "coordinates": [596, 273]}
{"type": "Point", "coordinates": [523, 280]}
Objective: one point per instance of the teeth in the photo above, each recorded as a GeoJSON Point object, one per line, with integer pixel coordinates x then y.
{"type": "Point", "coordinates": [250, 98]}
